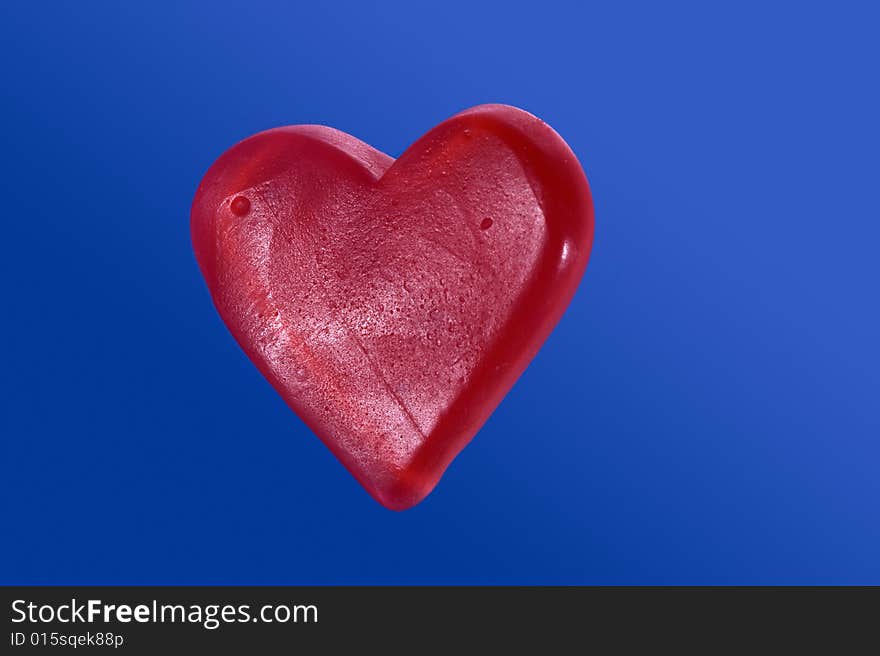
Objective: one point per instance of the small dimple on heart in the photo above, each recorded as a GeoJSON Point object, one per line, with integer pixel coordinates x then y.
{"type": "Point", "coordinates": [240, 206]}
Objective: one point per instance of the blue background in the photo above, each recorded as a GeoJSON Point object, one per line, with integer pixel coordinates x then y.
{"type": "Point", "coordinates": [706, 412]}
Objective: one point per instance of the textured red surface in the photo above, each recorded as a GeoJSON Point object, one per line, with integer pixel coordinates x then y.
{"type": "Point", "coordinates": [391, 303]}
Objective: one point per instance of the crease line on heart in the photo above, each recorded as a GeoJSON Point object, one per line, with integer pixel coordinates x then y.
{"type": "Point", "coordinates": [378, 373]}
{"type": "Point", "coordinates": [447, 249]}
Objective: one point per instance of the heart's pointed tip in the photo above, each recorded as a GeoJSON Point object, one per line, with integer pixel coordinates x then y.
{"type": "Point", "coordinates": [403, 492]}
{"type": "Point", "coordinates": [398, 505]}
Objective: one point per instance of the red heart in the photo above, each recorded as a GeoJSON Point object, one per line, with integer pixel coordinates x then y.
{"type": "Point", "coordinates": [391, 303]}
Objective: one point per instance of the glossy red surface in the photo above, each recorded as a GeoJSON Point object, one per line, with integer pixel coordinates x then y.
{"type": "Point", "coordinates": [391, 303]}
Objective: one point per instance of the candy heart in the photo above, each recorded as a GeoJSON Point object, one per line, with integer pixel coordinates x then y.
{"type": "Point", "coordinates": [393, 304]}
